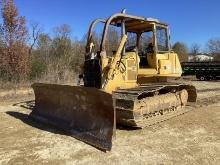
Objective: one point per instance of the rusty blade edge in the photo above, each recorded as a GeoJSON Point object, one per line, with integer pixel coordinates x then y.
{"type": "Point", "coordinates": [86, 137]}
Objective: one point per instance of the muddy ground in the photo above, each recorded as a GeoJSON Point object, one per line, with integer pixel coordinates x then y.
{"type": "Point", "coordinates": [192, 138]}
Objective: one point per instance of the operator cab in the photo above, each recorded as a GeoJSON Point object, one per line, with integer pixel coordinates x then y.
{"type": "Point", "coordinates": [148, 39]}
{"type": "Point", "coordinates": [151, 38]}
{"type": "Point", "coordinates": [146, 36]}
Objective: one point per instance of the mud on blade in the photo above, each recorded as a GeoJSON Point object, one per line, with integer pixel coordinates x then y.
{"type": "Point", "coordinates": [86, 113]}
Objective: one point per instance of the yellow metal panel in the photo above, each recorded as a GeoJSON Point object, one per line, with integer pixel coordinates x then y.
{"type": "Point", "coordinates": [147, 71]}
{"type": "Point", "coordinates": [165, 67]}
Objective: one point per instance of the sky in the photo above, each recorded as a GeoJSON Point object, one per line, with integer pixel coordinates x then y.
{"type": "Point", "coordinates": [191, 21]}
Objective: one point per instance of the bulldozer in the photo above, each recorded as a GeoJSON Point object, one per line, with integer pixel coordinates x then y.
{"type": "Point", "coordinates": [129, 86]}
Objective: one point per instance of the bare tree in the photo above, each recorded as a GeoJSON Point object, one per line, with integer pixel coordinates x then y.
{"type": "Point", "coordinates": [43, 46]}
{"type": "Point", "coordinates": [61, 54]}
{"type": "Point", "coordinates": [34, 35]}
{"type": "Point", "coordinates": [213, 48]}
{"type": "Point", "coordinates": [63, 31]}
{"type": "Point", "coordinates": [78, 58]}
{"type": "Point", "coordinates": [181, 50]}
{"type": "Point", "coordinates": [195, 49]}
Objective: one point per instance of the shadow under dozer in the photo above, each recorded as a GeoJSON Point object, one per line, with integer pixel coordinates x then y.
{"type": "Point", "coordinates": [86, 113]}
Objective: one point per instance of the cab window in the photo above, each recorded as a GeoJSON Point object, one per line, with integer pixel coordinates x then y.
{"type": "Point", "coordinates": [145, 41]}
{"type": "Point", "coordinates": [131, 43]}
{"type": "Point", "coordinates": [162, 39]}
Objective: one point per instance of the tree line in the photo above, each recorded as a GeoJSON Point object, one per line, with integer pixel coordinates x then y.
{"type": "Point", "coordinates": [30, 54]}
{"type": "Point", "coordinates": [212, 49]}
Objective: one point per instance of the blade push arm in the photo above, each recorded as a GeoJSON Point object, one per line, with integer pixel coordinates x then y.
{"type": "Point", "coordinates": [114, 63]}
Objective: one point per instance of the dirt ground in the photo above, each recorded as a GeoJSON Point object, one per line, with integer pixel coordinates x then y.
{"type": "Point", "coordinates": [192, 138]}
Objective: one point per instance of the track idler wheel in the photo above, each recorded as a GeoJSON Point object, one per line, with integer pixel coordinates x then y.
{"type": "Point", "coordinates": [183, 97]}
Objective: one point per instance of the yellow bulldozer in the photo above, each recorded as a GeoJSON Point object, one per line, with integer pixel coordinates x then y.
{"type": "Point", "coordinates": [128, 86]}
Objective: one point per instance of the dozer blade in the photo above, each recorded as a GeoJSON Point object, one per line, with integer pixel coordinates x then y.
{"type": "Point", "coordinates": [86, 113]}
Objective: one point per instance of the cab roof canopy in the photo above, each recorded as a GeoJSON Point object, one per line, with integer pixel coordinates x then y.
{"type": "Point", "coordinates": [134, 23]}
